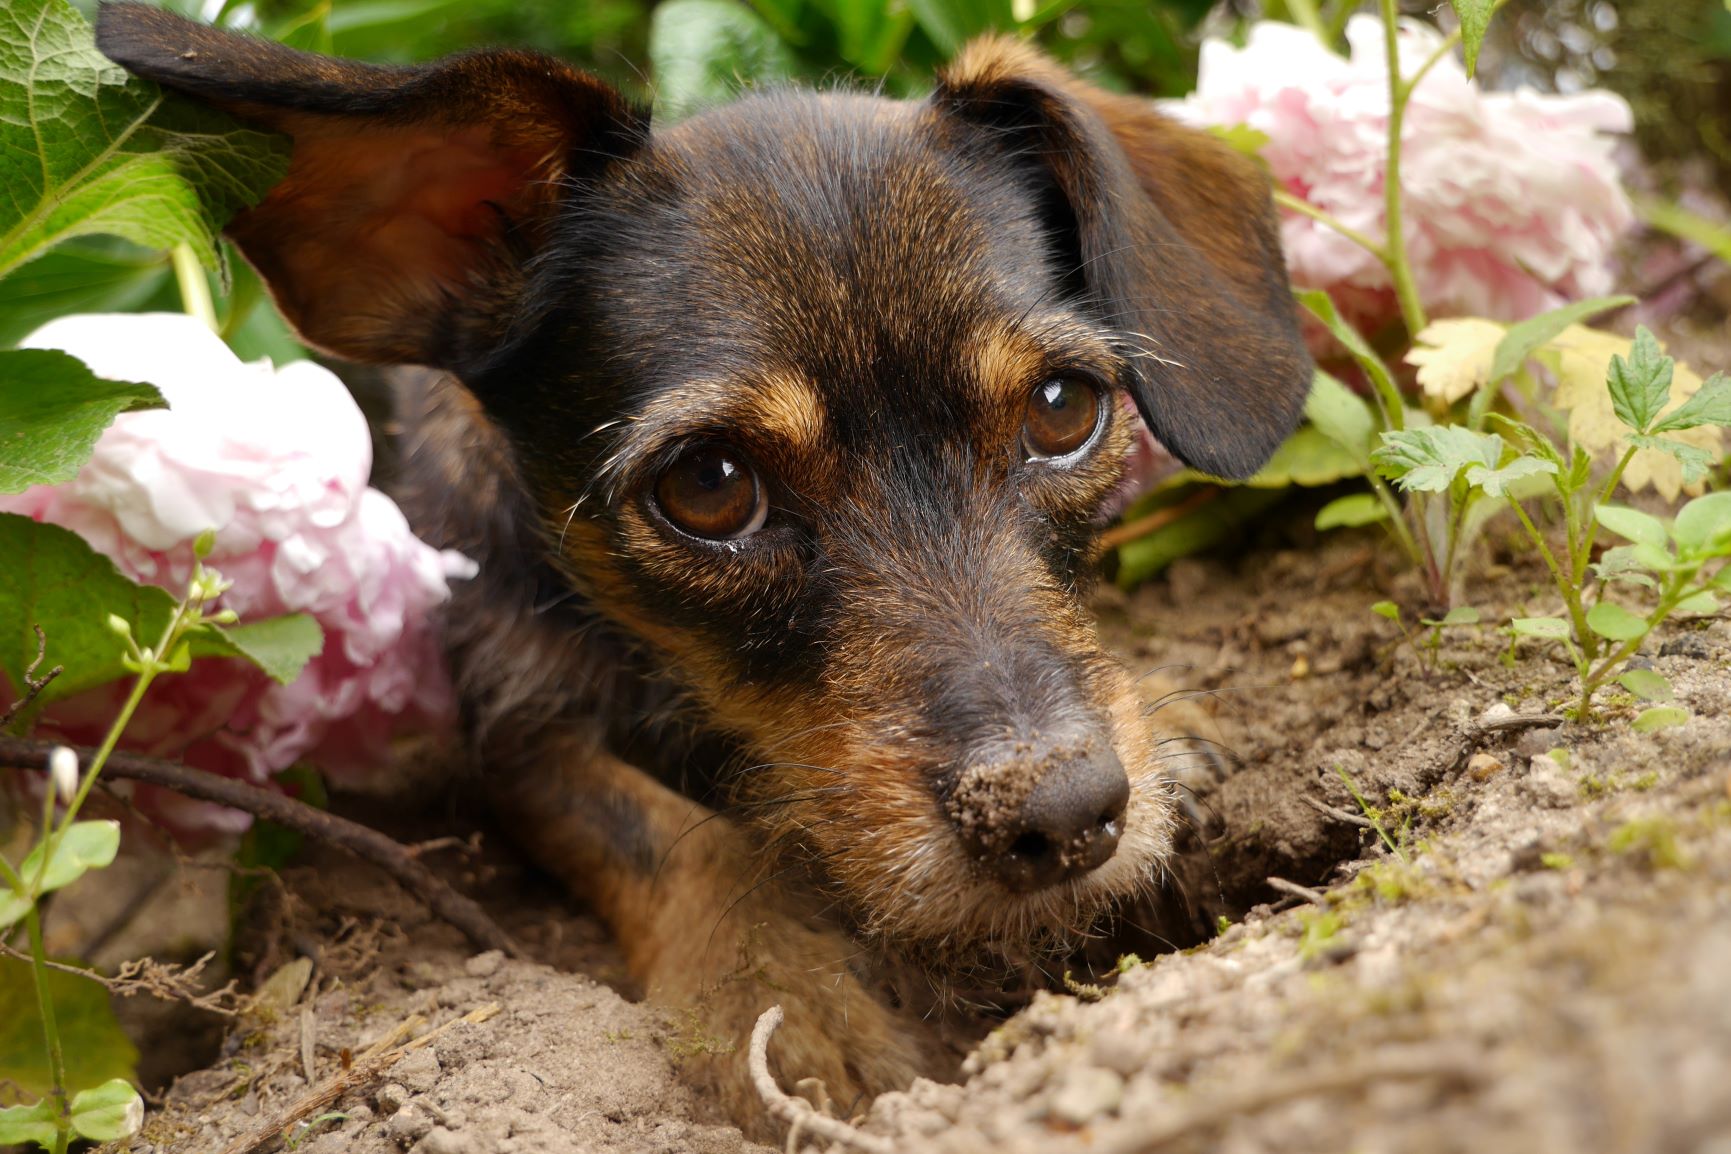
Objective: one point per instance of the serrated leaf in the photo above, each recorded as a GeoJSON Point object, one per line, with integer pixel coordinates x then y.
{"type": "Point", "coordinates": [85, 148]}
{"type": "Point", "coordinates": [21, 1125]}
{"type": "Point", "coordinates": [95, 1047]}
{"type": "Point", "coordinates": [1640, 383]}
{"type": "Point", "coordinates": [1660, 717]}
{"type": "Point", "coordinates": [108, 1112]}
{"type": "Point", "coordinates": [1694, 461]}
{"type": "Point", "coordinates": [1429, 459]}
{"type": "Point", "coordinates": [1351, 511]}
{"type": "Point", "coordinates": [1615, 623]}
{"type": "Point", "coordinates": [1386, 609]}
{"type": "Point", "coordinates": [1631, 524]}
{"type": "Point", "coordinates": [1646, 685]}
{"type": "Point", "coordinates": [84, 846]}
{"type": "Point", "coordinates": [1703, 526]}
{"type": "Point", "coordinates": [1521, 341]}
{"type": "Point", "coordinates": [1497, 482]}
{"type": "Point", "coordinates": [1711, 405]}
{"type": "Point", "coordinates": [1550, 628]}
{"type": "Point", "coordinates": [703, 51]}
{"type": "Point", "coordinates": [1454, 356]}
{"type": "Point", "coordinates": [281, 646]}
{"type": "Point", "coordinates": [1702, 604]}
{"type": "Point", "coordinates": [1581, 359]}
{"type": "Point", "coordinates": [52, 410]}
{"type": "Point", "coordinates": [1342, 416]}
{"type": "Point", "coordinates": [1475, 17]}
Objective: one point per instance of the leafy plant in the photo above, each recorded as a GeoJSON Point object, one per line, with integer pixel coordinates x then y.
{"type": "Point", "coordinates": [1669, 559]}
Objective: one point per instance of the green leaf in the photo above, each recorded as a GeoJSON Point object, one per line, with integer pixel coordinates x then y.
{"type": "Point", "coordinates": [1708, 405]}
{"type": "Point", "coordinates": [1632, 524]}
{"type": "Point", "coordinates": [96, 1048]}
{"type": "Point", "coordinates": [1220, 520]}
{"type": "Point", "coordinates": [1703, 526]}
{"type": "Point", "coordinates": [1660, 717]}
{"type": "Point", "coordinates": [108, 1112]}
{"type": "Point", "coordinates": [1475, 17]}
{"type": "Point", "coordinates": [281, 646]}
{"type": "Point", "coordinates": [1342, 416]}
{"type": "Point", "coordinates": [1241, 137]}
{"type": "Point", "coordinates": [85, 148]}
{"type": "Point", "coordinates": [1321, 306]}
{"type": "Point", "coordinates": [1641, 385]}
{"type": "Point", "coordinates": [91, 275]}
{"type": "Point", "coordinates": [1646, 685]}
{"type": "Point", "coordinates": [1351, 511]}
{"type": "Point", "coordinates": [1695, 460]}
{"type": "Point", "coordinates": [1459, 615]}
{"type": "Point", "coordinates": [952, 23]}
{"type": "Point", "coordinates": [1550, 628]}
{"type": "Point", "coordinates": [85, 846]}
{"type": "Point", "coordinates": [1308, 458]}
{"type": "Point", "coordinates": [702, 51]}
{"type": "Point", "coordinates": [1386, 609]}
{"type": "Point", "coordinates": [37, 1122]}
{"type": "Point", "coordinates": [1429, 459]}
{"type": "Point", "coordinates": [1497, 482]}
{"type": "Point", "coordinates": [1702, 604]}
{"type": "Point", "coordinates": [1623, 563]}
{"type": "Point", "coordinates": [52, 410]}
{"type": "Point", "coordinates": [1615, 623]}
{"type": "Point", "coordinates": [1533, 334]}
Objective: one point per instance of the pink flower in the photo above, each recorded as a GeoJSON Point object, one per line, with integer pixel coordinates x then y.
{"type": "Point", "coordinates": [276, 460]}
{"type": "Point", "coordinates": [1513, 203]}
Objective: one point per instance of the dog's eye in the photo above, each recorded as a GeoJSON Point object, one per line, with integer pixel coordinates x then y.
{"type": "Point", "coordinates": [712, 492]}
{"type": "Point", "coordinates": [1062, 414]}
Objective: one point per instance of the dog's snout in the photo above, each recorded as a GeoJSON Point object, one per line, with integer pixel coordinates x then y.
{"type": "Point", "coordinates": [1066, 825]}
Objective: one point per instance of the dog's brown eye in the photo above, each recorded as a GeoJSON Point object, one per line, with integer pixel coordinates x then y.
{"type": "Point", "coordinates": [712, 492]}
{"type": "Point", "coordinates": [1062, 415]}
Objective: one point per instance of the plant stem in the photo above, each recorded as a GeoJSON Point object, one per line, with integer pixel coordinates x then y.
{"type": "Point", "coordinates": [1394, 243]}
{"type": "Point", "coordinates": [1396, 518]}
{"type": "Point", "coordinates": [194, 288]}
{"type": "Point", "coordinates": [1590, 530]}
{"type": "Point", "coordinates": [1305, 15]}
{"type": "Point", "coordinates": [1303, 207]}
{"type": "Point", "coordinates": [1571, 595]}
{"type": "Point", "coordinates": [50, 1027]}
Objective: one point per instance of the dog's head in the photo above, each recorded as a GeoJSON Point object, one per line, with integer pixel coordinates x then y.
{"type": "Point", "coordinates": [820, 396]}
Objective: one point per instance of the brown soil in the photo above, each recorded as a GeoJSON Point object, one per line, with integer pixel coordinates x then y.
{"type": "Point", "coordinates": [1545, 965]}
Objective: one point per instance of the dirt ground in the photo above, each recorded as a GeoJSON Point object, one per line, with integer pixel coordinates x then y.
{"type": "Point", "coordinates": [1540, 962]}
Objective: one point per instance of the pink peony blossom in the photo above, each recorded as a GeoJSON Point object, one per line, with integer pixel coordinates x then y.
{"type": "Point", "coordinates": [276, 460]}
{"type": "Point", "coordinates": [1512, 201]}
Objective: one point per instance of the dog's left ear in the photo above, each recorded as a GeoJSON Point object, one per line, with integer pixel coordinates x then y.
{"type": "Point", "coordinates": [1167, 230]}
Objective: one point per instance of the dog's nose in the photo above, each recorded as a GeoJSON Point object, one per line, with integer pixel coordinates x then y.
{"type": "Point", "coordinates": [1068, 825]}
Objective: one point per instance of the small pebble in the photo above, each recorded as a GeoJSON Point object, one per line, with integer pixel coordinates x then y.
{"type": "Point", "coordinates": [1547, 784]}
{"type": "Point", "coordinates": [419, 1070]}
{"type": "Point", "coordinates": [484, 965]}
{"type": "Point", "coordinates": [390, 1098]}
{"type": "Point", "coordinates": [1498, 712]}
{"type": "Point", "coordinates": [1484, 766]}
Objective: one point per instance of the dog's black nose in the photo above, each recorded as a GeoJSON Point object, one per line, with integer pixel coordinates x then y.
{"type": "Point", "coordinates": [1067, 825]}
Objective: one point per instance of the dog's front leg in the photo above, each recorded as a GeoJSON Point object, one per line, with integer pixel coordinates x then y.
{"type": "Point", "coordinates": [711, 932]}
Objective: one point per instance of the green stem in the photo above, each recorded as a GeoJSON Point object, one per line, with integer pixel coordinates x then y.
{"type": "Point", "coordinates": [1394, 243]}
{"type": "Point", "coordinates": [1304, 208]}
{"type": "Point", "coordinates": [1396, 518]}
{"type": "Point", "coordinates": [50, 1028]}
{"type": "Point", "coordinates": [194, 288]}
{"type": "Point", "coordinates": [1305, 15]}
{"type": "Point", "coordinates": [1591, 528]}
{"type": "Point", "coordinates": [1570, 591]}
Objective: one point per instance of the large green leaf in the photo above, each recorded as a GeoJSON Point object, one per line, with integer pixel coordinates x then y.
{"type": "Point", "coordinates": [89, 275]}
{"type": "Point", "coordinates": [952, 23]}
{"type": "Point", "coordinates": [85, 148]}
{"type": "Point", "coordinates": [95, 1046]}
{"type": "Point", "coordinates": [52, 410]}
{"type": "Point", "coordinates": [53, 579]}
{"type": "Point", "coordinates": [703, 51]}
{"type": "Point", "coordinates": [84, 846]}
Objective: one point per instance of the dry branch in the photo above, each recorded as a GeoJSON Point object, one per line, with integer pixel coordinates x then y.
{"type": "Point", "coordinates": [368, 844]}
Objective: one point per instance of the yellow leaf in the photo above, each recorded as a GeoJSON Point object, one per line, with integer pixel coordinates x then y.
{"type": "Point", "coordinates": [1454, 357]}
{"type": "Point", "coordinates": [1580, 357]}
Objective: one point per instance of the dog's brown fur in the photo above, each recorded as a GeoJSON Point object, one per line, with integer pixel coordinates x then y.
{"type": "Point", "coordinates": [775, 762]}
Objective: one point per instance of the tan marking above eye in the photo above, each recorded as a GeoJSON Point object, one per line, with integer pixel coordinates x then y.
{"type": "Point", "coordinates": [1063, 413]}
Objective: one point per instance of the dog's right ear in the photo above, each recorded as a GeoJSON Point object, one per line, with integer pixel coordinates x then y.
{"type": "Point", "coordinates": [414, 197]}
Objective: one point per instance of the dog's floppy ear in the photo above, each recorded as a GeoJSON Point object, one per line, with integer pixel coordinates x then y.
{"type": "Point", "coordinates": [414, 196]}
{"type": "Point", "coordinates": [1172, 234]}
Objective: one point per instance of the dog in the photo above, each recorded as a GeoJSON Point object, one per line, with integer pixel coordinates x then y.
{"type": "Point", "coordinates": [782, 436]}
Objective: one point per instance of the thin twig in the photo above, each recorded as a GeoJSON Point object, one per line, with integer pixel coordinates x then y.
{"type": "Point", "coordinates": [1327, 810]}
{"type": "Point", "coordinates": [33, 685]}
{"type": "Point", "coordinates": [367, 844]}
{"type": "Point", "coordinates": [797, 1110]}
{"type": "Point", "coordinates": [367, 1068]}
{"type": "Point", "coordinates": [1451, 1067]}
{"type": "Point", "coordinates": [1515, 721]}
{"type": "Point", "coordinates": [1160, 518]}
{"type": "Point", "coordinates": [1315, 897]}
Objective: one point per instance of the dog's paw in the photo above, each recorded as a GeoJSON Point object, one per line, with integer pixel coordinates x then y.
{"type": "Point", "coordinates": [1189, 746]}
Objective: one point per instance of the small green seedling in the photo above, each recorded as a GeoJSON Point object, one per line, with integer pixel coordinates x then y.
{"type": "Point", "coordinates": [1429, 647]}
{"type": "Point", "coordinates": [1680, 563]}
